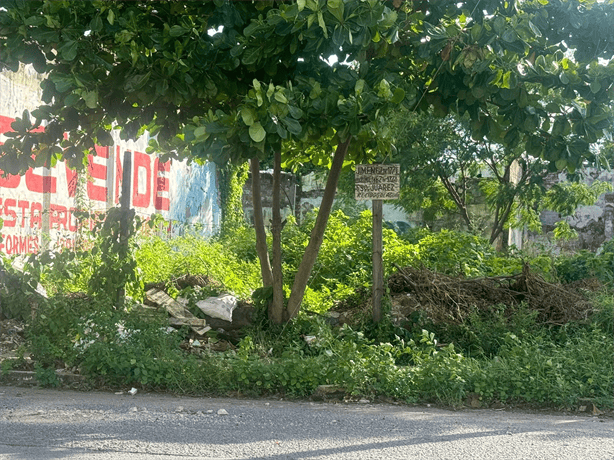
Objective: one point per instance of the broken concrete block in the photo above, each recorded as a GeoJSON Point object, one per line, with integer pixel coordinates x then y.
{"type": "Point", "coordinates": [324, 392]}
{"type": "Point", "coordinates": [181, 316]}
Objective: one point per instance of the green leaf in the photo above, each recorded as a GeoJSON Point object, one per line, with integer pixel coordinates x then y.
{"type": "Point", "coordinates": [279, 97]}
{"type": "Point", "coordinates": [91, 99]}
{"type": "Point", "coordinates": [359, 86]}
{"type": "Point", "coordinates": [177, 31]}
{"type": "Point", "coordinates": [248, 116]}
{"type": "Point", "coordinates": [499, 24]}
{"type": "Point", "coordinates": [336, 8]}
{"type": "Point", "coordinates": [535, 29]}
{"type": "Point", "coordinates": [71, 99]}
{"type": "Point", "coordinates": [293, 126]}
{"type": "Point", "coordinates": [63, 84]}
{"type": "Point", "coordinates": [111, 17]}
{"type": "Point", "coordinates": [383, 89]}
{"type": "Point", "coordinates": [96, 24]}
{"type": "Point", "coordinates": [201, 131]}
{"type": "Point", "coordinates": [398, 96]}
{"type": "Point", "coordinates": [250, 56]}
{"type": "Point", "coordinates": [322, 24]}
{"type": "Point", "coordinates": [509, 35]}
{"type": "Point", "coordinates": [281, 131]}
{"type": "Point", "coordinates": [257, 132]}
{"type": "Point", "coordinates": [68, 51]}
{"type": "Point", "coordinates": [476, 32]}
{"type": "Point", "coordinates": [136, 82]}
{"type": "Point", "coordinates": [560, 164]}
{"type": "Point", "coordinates": [295, 112]}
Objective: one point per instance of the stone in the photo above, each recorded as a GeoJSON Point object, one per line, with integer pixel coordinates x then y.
{"type": "Point", "coordinates": [328, 392]}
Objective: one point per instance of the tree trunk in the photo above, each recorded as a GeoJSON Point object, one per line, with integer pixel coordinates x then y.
{"type": "Point", "coordinates": [461, 205]}
{"type": "Point", "coordinates": [261, 246]}
{"type": "Point", "coordinates": [317, 234]}
{"type": "Point", "coordinates": [276, 308]}
{"type": "Point", "coordinates": [124, 225]}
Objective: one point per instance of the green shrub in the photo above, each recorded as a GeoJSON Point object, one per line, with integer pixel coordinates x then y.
{"type": "Point", "coordinates": [538, 370]}
{"type": "Point", "coordinates": [587, 264]}
{"type": "Point", "coordinates": [52, 333]}
{"type": "Point", "coordinates": [164, 260]}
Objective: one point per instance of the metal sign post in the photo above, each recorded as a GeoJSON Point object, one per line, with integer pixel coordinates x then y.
{"type": "Point", "coordinates": [377, 182]}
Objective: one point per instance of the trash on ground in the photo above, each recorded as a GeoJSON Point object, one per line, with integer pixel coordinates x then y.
{"type": "Point", "coordinates": [220, 307]}
{"type": "Point", "coordinates": [180, 315]}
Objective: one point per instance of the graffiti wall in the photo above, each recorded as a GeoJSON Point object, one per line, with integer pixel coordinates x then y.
{"type": "Point", "coordinates": [38, 208]}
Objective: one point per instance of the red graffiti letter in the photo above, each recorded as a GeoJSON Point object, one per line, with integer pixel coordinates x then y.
{"type": "Point", "coordinates": [23, 205]}
{"type": "Point", "coordinates": [10, 203]}
{"type": "Point", "coordinates": [141, 199]}
{"type": "Point", "coordinates": [58, 215]}
{"type": "Point", "coordinates": [36, 215]}
{"type": "Point", "coordinates": [97, 171]}
{"type": "Point", "coordinates": [162, 185]}
{"type": "Point", "coordinates": [10, 181]}
{"type": "Point", "coordinates": [72, 179]}
{"type": "Point", "coordinates": [40, 184]}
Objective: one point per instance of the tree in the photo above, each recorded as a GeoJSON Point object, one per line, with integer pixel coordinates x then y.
{"type": "Point", "coordinates": [231, 81]}
{"type": "Point", "coordinates": [444, 169]}
{"type": "Point", "coordinates": [219, 80]}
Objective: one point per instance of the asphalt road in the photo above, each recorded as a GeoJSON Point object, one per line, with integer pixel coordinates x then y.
{"type": "Point", "coordinates": [44, 424]}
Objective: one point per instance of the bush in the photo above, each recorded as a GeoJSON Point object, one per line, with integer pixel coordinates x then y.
{"type": "Point", "coordinates": [164, 260]}
{"type": "Point", "coordinates": [587, 264]}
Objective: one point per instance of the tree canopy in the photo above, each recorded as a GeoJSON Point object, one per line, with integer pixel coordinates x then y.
{"type": "Point", "coordinates": [445, 171]}
{"type": "Point", "coordinates": [259, 72]}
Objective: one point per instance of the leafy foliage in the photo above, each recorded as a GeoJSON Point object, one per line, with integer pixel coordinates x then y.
{"type": "Point", "coordinates": [501, 357]}
{"type": "Point", "coordinates": [446, 170]}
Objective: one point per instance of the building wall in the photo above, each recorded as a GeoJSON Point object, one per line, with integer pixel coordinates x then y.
{"type": "Point", "coordinates": [594, 224]}
{"type": "Point", "coordinates": [38, 208]}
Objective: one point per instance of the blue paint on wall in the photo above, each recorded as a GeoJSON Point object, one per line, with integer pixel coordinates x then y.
{"type": "Point", "coordinates": [194, 204]}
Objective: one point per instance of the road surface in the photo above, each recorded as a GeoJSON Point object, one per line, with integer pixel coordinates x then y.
{"type": "Point", "coordinates": [61, 424]}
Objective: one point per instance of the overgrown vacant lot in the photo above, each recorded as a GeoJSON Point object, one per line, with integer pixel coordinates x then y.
{"type": "Point", "coordinates": [464, 324]}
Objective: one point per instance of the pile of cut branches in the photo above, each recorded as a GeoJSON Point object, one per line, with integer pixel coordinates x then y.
{"type": "Point", "coordinates": [448, 299]}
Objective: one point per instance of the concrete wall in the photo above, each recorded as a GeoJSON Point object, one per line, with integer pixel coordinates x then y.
{"type": "Point", "coordinates": [38, 207]}
{"type": "Point", "coordinates": [594, 224]}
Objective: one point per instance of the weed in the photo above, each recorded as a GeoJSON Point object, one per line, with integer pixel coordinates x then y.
{"type": "Point", "coordinates": [46, 377]}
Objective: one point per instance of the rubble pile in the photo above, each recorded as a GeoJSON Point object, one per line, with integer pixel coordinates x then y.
{"type": "Point", "coordinates": [11, 337]}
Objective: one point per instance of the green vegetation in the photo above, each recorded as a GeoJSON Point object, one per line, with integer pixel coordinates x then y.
{"type": "Point", "coordinates": [502, 355]}
{"type": "Point", "coordinates": [312, 82]}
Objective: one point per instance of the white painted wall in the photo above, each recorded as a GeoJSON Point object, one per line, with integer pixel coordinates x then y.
{"type": "Point", "coordinates": [38, 207]}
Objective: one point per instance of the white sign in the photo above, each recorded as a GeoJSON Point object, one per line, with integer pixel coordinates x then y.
{"type": "Point", "coordinates": [377, 182]}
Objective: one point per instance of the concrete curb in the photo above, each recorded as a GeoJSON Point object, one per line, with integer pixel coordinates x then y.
{"type": "Point", "coordinates": [28, 378]}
